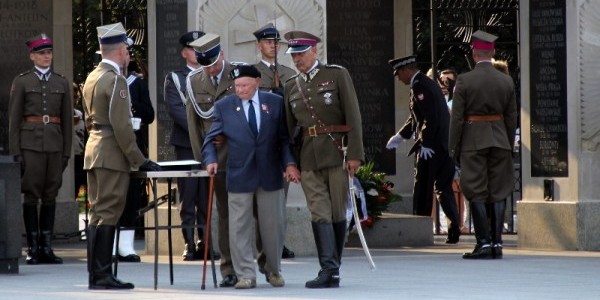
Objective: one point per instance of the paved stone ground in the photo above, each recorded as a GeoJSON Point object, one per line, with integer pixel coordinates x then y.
{"type": "Point", "coordinates": [435, 272]}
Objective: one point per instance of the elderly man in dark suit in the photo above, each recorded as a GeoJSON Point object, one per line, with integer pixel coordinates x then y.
{"type": "Point", "coordinates": [258, 151]}
{"type": "Point", "coordinates": [482, 131]}
{"type": "Point", "coordinates": [428, 122]}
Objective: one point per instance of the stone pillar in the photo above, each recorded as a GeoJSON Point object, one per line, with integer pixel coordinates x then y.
{"type": "Point", "coordinates": [560, 131]}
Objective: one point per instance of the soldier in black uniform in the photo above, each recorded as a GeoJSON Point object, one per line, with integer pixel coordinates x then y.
{"type": "Point", "coordinates": [428, 122]}
{"type": "Point", "coordinates": [193, 191]}
{"type": "Point", "coordinates": [41, 134]}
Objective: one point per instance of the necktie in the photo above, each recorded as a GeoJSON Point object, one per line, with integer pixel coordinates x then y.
{"type": "Point", "coordinates": [252, 118]}
{"type": "Point", "coordinates": [215, 81]}
{"type": "Point", "coordinates": [275, 76]}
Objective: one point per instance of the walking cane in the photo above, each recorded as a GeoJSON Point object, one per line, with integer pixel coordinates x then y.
{"type": "Point", "coordinates": [207, 231]}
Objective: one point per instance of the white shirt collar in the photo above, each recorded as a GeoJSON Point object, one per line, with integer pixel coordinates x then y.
{"type": "Point", "coordinates": [112, 63]}
{"type": "Point", "coordinates": [42, 70]}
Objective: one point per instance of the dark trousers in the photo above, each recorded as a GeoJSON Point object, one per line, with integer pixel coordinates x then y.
{"type": "Point", "coordinates": [434, 175]}
{"type": "Point", "coordinates": [193, 193]}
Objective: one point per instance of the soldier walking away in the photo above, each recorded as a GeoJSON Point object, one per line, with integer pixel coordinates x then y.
{"type": "Point", "coordinates": [482, 131]}
{"type": "Point", "coordinates": [41, 134]}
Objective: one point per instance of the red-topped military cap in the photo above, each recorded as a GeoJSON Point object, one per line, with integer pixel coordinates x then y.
{"type": "Point", "coordinates": [300, 41]}
{"type": "Point", "coordinates": [483, 40]}
{"type": "Point", "coordinates": [39, 43]}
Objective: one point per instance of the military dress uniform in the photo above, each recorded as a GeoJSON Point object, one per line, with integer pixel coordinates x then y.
{"type": "Point", "coordinates": [328, 90]}
{"type": "Point", "coordinates": [429, 122]}
{"type": "Point", "coordinates": [111, 152]}
{"type": "Point", "coordinates": [202, 93]}
{"type": "Point", "coordinates": [193, 191]}
{"type": "Point", "coordinates": [267, 76]}
{"type": "Point", "coordinates": [482, 131]}
{"type": "Point", "coordinates": [40, 136]}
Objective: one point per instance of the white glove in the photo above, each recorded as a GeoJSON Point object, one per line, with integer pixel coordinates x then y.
{"type": "Point", "coordinates": [426, 153]}
{"type": "Point", "coordinates": [394, 141]}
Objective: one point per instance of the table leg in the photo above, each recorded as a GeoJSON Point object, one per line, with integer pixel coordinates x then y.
{"type": "Point", "coordinates": [154, 191]}
{"type": "Point", "coordinates": [169, 180]}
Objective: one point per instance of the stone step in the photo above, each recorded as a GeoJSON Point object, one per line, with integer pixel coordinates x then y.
{"type": "Point", "coordinates": [396, 230]}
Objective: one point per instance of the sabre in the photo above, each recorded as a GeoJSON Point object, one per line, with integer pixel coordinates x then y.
{"type": "Point", "coordinates": [361, 236]}
{"type": "Point", "coordinates": [352, 189]}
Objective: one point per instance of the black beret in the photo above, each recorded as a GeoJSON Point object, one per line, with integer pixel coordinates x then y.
{"type": "Point", "coordinates": [244, 71]}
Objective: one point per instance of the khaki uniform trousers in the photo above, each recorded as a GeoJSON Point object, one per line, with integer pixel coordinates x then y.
{"type": "Point", "coordinates": [326, 193]}
{"type": "Point", "coordinates": [107, 191]}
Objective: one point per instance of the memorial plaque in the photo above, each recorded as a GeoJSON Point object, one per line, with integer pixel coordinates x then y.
{"type": "Point", "coordinates": [360, 37]}
{"type": "Point", "coordinates": [171, 23]}
{"type": "Point", "coordinates": [548, 52]}
{"type": "Point", "coordinates": [21, 20]}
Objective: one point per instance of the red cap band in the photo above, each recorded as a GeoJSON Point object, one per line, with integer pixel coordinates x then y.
{"type": "Point", "coordinates": [302, 42]}
{"type": "Point", "coordinates": [40, 44]}
{"type": "Point", "coordinates": [482, 45]}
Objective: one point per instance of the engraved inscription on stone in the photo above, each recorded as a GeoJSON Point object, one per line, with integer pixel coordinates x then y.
{"type": "Point", "coordinates": [360, 39]}
{"type": "Point", "coordinates": [20, 20]}
{"type": "Point", "coordinates": [549, 135]}
{"type": "Point", "coordinates": [171, 23]}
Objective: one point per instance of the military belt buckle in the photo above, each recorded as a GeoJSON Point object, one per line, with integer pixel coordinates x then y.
{"type": "Point", "coordinates": [312, 131]}
{"type": "Point", "coordinates": [46, 119]}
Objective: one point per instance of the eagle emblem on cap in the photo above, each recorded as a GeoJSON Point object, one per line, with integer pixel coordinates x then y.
{"type": "Point", "coordinates": [236, 72]}
{"type": "Point", "coordinates": [195, 35]}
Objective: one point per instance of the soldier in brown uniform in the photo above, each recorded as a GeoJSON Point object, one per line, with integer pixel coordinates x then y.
{"type": "Point", "coordinates": [482, 131]}
{"type": "Point", "coordinates": [272, 74]}
{"type": "Point", "coordinates": [205, 86]}
{"type": "Point", "coordinates": [41, 134]}
{"type": "Point", "coordinates": [110, 153]}
{"type": "Point", "coordinates": [322, 100]}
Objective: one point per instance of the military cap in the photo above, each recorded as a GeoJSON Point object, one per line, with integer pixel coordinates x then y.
{"type": "Point", "coordinates": [39, 43]}
{"type": "Point", "coordinates": [244, 70]}
{"type": "Point", "coordinates": [189, 37]}
{"type": "Point", "coordinates": [300, 41]}
{"type": "Point", "coordinates": [208, 49]}
{"type": "Point", "coordinates": [268, 32]}
{"type": "Point", "coordinates": [398, 63]}
{"type": "Point", "coordinates": [483, 40]}
{"type": "Point", "coordinates": [112, 34]}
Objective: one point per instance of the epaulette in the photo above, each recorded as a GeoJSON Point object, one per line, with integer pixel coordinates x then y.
{"type": "Point", "coordinates": [334, 66]}
{"type": "Point", "coordinates": [294, 76]}
{"type": "Point", "coordinates": [61, 75]}
{"type": "Point", "coordinates": [24, 73]}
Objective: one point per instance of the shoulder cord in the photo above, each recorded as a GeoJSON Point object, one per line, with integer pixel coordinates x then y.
{"type": "Point", "coordinates": [315, 117]}
{"type": "Point", "coordinates": [201, 113]}
{"type": "Point", "coordinates": [177, 85]}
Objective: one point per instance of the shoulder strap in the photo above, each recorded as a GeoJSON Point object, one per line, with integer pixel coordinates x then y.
{"type": "Point", "coordinates": [314, 115]}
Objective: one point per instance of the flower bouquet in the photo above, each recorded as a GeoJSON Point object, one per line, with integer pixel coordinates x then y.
{"type": "Point", "coordinates": [378, 193]}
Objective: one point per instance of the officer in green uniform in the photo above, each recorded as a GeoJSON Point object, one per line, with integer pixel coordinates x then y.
{"type": "Point", "coordinates": [322, 100]}
{"type": "Point", "coordinates": [482, 131]}
{"type": "Point", "coordinates": [206, 85]}
{"type": "Point", "coordinates": [110, 153]}
{"type": "Point", "coordinates": [40, 138]}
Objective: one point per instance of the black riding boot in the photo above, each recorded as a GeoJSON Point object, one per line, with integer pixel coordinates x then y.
{"type": "Point", "coordinates": [189, 253]}
{"type": "Point", "coordinates": [47, 256]}
{"type": "Point", "coordinates": [329, 275]}
{"type": "Point", "coordinates": [339, 228]}
{"type": "Point", "coordinates": [102, 276]}
{"type": "Point", "coordinates": [91, 240]}
{"type": "Point", "coordinates": [30, 218]}
{"type": "Point", "coordinates": [448, 204]}
{"type": "Point", "coordinates": [483, 249]}
{"type": "Point", "coordinates": [497, 224]}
